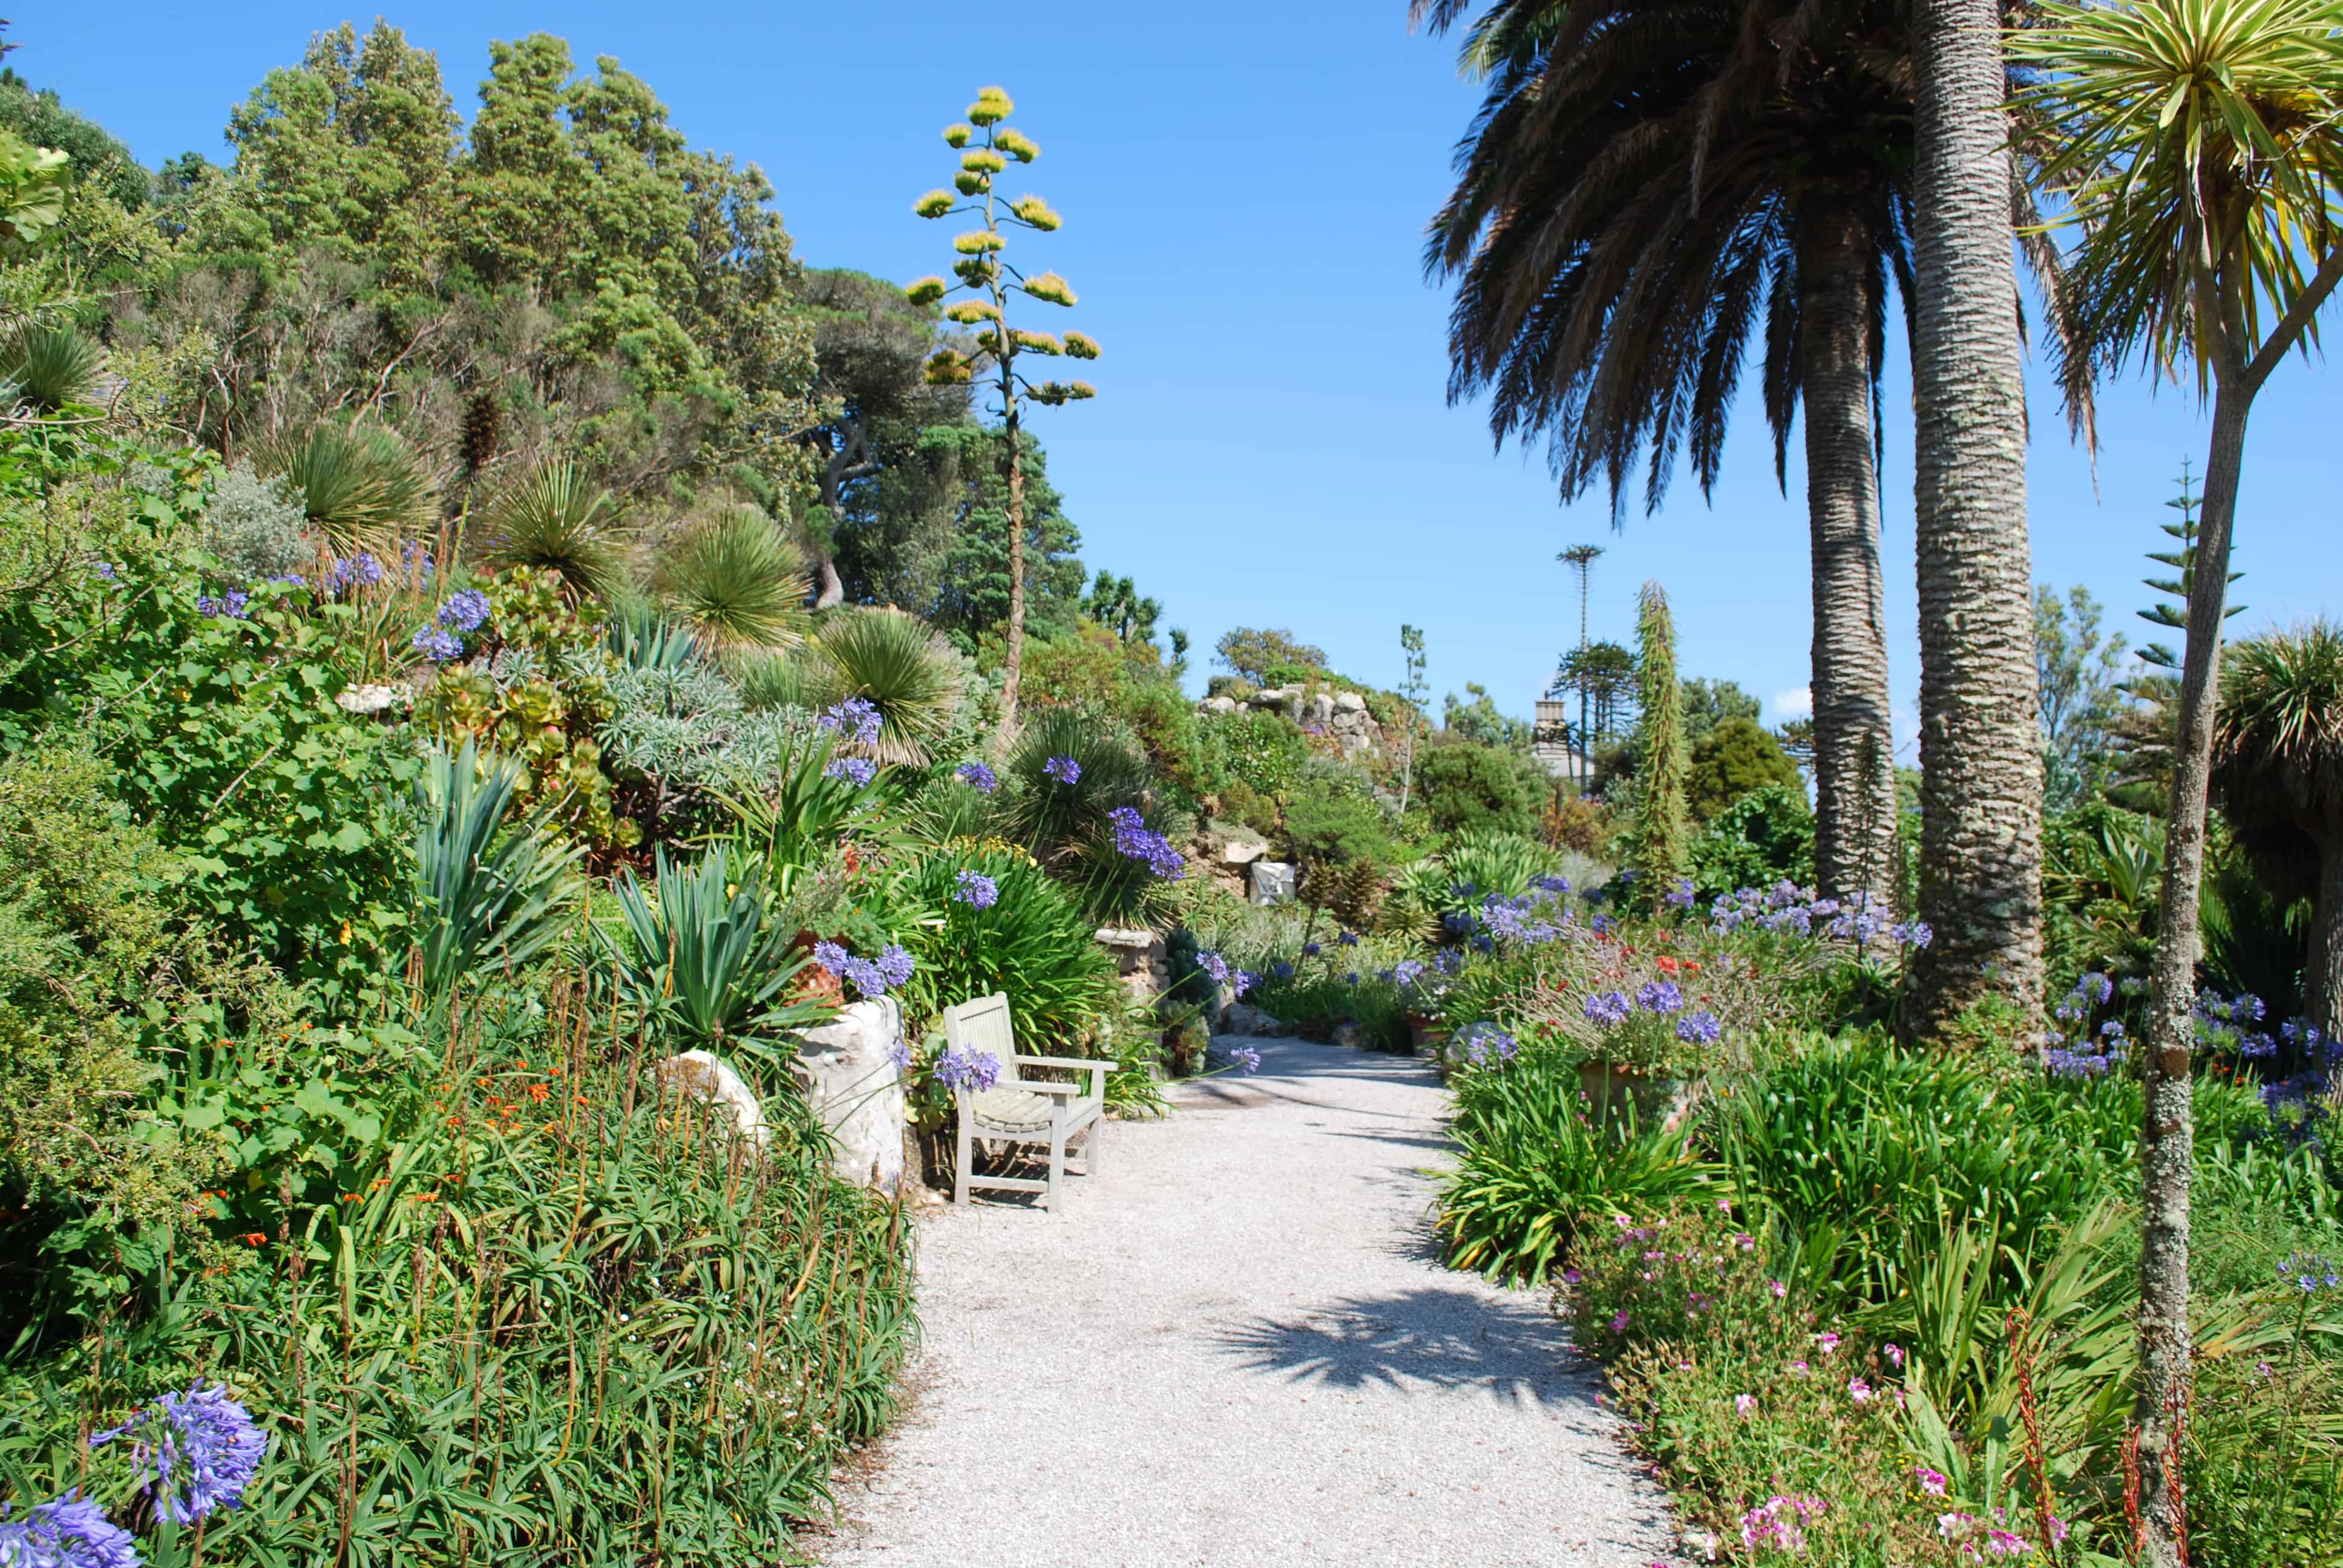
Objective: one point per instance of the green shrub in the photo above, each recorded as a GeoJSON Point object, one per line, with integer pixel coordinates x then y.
{"type": "Point", "coordinates": [1033, 945]}
{"type": "Point", "coordinates": [1765, 836]}
{"type": "Point", "coordinates": [1332, 819]}
{"type": "Point", "coordinates": [1467, 786]}
{"type": "Point", "coordinates": [1733, 759]}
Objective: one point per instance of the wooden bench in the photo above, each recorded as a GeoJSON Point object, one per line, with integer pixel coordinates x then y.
{"type": "Point", "coordinates": [1019, 1108]}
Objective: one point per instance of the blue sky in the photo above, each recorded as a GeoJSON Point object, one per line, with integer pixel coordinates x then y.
{"type": "Point", "coordinates": [1245, 192]}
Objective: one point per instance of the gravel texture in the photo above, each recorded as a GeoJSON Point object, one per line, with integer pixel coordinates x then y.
{"type": "Point", "coordinates": [1237, 1346]}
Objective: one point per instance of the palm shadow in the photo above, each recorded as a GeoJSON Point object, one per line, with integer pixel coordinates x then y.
{"type": "Point", "coordinates": [1441, 1335]}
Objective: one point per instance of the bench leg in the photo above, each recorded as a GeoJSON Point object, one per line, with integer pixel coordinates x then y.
{"type": "Point", "coordinates": [1090, 1150]}
{"type": "Point", "coordinates": [1057, 1157]}
{"type": "Point", "coordinates": [961, 1157]}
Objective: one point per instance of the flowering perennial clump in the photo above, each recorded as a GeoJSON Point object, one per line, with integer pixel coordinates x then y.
{"type": "Point", "coordinates": [204, 1451]}
{"type": "Point", "coordinates": [465, 612]}
{"type": "Point", "coordinates": [858, 770]}
{"type": "Point", "coordinates": [1778, 1524]}
{"type": "Point", "coordinates": [1064, 769]}
{"type": "Point", "coordinates": [976, 1071]}
{"type": "Point", "coordinates": [1133, 838]}
{"type": "Point", "coordinates": [977, 891]}
{"type": "Point", "coordinates": [871, 977]}
{"type": "Point", "coordinates": [978, 777]}
{"type": "Point", "coordinates": [856, 719]}
{"type": "Point", "coordinates": [1787, 908]}
{"type": "Point", "coordinates": [69, 1532]}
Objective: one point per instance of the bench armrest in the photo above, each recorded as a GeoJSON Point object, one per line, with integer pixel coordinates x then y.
{"type": "Point", "coordinates": [1038, 1086]}
{"type": "Point", "coordinates": [1077, 1063]}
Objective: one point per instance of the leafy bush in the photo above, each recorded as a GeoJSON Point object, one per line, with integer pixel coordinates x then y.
{"type": "Point", "coordinates": [1735, 758]}
{"type": "Point", "coordinates": [1333, 820]}
{"type": "Point", "coordinates": [1467, 786]}
{"type": "Point", "coordinates": [1765, 836]}
{"type": "Point", "coordinates": [257, 527]}
{"type": "Point", "coordinates": [1032, 944]}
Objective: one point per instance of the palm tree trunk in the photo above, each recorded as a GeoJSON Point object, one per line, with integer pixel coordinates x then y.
{"type": "Point", "coordinates": [2323, 982]}
{"type": "Point", "coordinates": [1854, 776]}
{"type": "Point", "coordinates": [1980, 755]}
{"type": "Point", "coordinates": [2167, 1136]}
{"type": "Point", "coordinates": [1014, 670]}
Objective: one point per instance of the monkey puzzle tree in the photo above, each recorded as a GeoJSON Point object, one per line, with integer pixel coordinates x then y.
{"type": "Point", "coordinates": [987, 144]}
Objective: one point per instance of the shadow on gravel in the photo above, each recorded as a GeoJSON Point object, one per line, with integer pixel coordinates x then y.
{"type": "Point", "coordinates": [1437, 1334]}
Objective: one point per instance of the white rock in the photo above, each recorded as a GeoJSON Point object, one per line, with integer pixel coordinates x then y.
{"type": "Point", "coordinates": [848, 1067]}
{"type": "Point", "coordinates": [1273, 881]}
{"type": "Point", "coordinates": [1350, 702]}
{"type": "Point", "coordinates": [703, 1076]}
{"type": "Point", "coordinates": [371, 698]}
{"type": "Point", "coordinates": [1323, 707]}
{"type": "Point", "coordinates": [1242, 852]}
{"type": "Point", "coordinates": [1219, 705]}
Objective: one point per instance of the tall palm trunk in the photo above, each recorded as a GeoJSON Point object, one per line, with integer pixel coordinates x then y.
{"type": "Point", "coordinates": [1013, 673]}
{"type": "Point", "coordinates": [1980, 756]}
{"type": "Point", "coordinates": [1855, 775]}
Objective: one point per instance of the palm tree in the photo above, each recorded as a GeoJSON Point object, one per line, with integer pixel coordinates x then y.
{"type": "Point", "coordinates": [1646, 185]}
{"type": "Point", "coordinates": [2200, 142]}
{"type": "Point", "coordinates": [2278, 768]}
{"type": "Point", "coordinates": [1980, 748]}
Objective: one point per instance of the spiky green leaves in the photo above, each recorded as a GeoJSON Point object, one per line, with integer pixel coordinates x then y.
{"type": "Point", "coordinates": [969, 312]}
{"type": "Point", "coordinates": [926, 290]}
{"type": "Point", "coordinates": [958, 136]}
{"type": "Point", "coordinates": [935, 204]}
{"type": "Point", "coordinates": [1033, 210]}
{"type": "Point", "coordinates": [977, 241]}
{"type": "Point", "coordinates": [1051, 287]}
{"type": "Point", "coordinates": [969, 183]}
{"type": "Point", "coordinates": [1017, 145]}
{"type": "Point", "coordinates": [983, 161]}
{"type": "Point", "coordinates": [737, 580]}
{"type": "Point", "coordinates": [992, 106]}
{"type": "Point", "coordinates": [1038, 342]}
{"type": "Point", "coordinates": [1081, 345]}
{"type": "Point", "coordinates": [47, 368]}
{"type": "Point", "coordinates": [363, 487]}
{"type": "Point", "coordinates": [558, 519]}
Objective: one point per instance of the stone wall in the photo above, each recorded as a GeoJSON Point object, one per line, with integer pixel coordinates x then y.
{"type": "Point", "coordinates": [1340, 714]}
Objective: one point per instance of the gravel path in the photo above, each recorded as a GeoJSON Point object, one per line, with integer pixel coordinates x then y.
{"type": "Point", "coordinates": [1237, 1347]}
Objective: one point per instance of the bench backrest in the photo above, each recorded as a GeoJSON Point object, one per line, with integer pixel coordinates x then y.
{"type": "Point", "coordinates": [981, 1023]}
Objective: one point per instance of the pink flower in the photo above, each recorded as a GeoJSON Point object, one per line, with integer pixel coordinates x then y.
{"type": "Point", "coordinates": [1571, 1276]}
{"type": "Point", "coordinates": [1779, 1289]}
{"type": "Point", "coordinates": [1779, 1522]}
{"type": "Point", "coordinates": [2001, 1543]}
{"type": "Point", "coordinates": [1827, 1340]}
{"type": "Point", "coordinates": [1932, 1481]}
{"type": "Point", "coordinates": [1799, 1368]}
{"type": "Point", "coordinates": [1724, 1205]}
{"type": "Point", "coordinates": [1619, 1323]}
{"type": "Point", "coordinates": [1895, 1353]}
{"type": "Point", "coordinates": [1745, 1404]}
{"type": "Point", "coordinates": [1858, 1391]}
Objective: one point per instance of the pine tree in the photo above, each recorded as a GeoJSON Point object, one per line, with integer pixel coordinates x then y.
{"type": "Point", "coordinates": [2183, 561]}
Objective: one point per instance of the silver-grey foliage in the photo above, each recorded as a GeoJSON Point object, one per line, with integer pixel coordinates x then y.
{"type": "Point", "coordinates": [257, 527]}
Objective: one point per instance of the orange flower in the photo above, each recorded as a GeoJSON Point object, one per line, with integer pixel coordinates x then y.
{"type": "Point", "coordinates": [538, 1091]}
{"type": "Point", "coordinates": [350, 1197]}
{"type": "Point", "coordinates": [255, 1237]}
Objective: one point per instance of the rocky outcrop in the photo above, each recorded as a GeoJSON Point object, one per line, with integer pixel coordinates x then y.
{"type": "Point", "coordinates": [1243, 1018]}
{"type": "Point", "coordinates": [701, 1075]}
{"type": "Point", "coordinates": [851, 1072]}
{"type": "Point", "coordinates": [1340, 714]}
{"type": "Point", "coordinates": [1138, 959]}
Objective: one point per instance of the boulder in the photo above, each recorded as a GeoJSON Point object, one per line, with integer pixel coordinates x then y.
{"type": "Point", "coordinates": [1322, 707]}
{"type": "Point", "coordinates": [1218, 704]}
{"type": "Point", "coordinates": [1272, 883]}
{"type": "Point", "coordinates": [372, 698]}
{"type": "Point", "coordinates": [1350, 702]}
{"type": "Point", "coordinates": [1243, 1018]}
{"type": "Point", "coordinates": [1351, 1032]}
{"type": "Point", "coordinates": [1242, 852]}
{"type": "Point", "coordinates": [702, 1076]}
{"type": "Point", "coordinates": [1138, 959]}
{"type": "Point", "coordinates": [851, 1070]}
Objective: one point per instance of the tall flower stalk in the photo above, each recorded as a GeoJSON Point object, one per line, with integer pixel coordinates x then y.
{"type": "Point", "coordinates": [1660, 819]}
{"type": "Point", "coordinates": [987, 145]}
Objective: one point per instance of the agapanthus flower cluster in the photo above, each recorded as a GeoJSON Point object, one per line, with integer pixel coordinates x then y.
{"type": "Point", "coordinates": [1779, 1524]}
{"type": "Point", "coordinates": [870, 977]}
{"type": "Point", "coordinates": [1608, 1008]}
{"type": "Point", "coordinates": [1245, 1059]}
{"type": "Point", "coordinates": [977, 891]}
{"type": "Point", "coordinates": [1660, 996]}
{"type": "Point", "coordinates": [1280, 970]}
{"type": "Point", "coordinates": [978, 777]}
{"type": "Point", "coordinates": [1135, 839]}
{"type": "Point", "coordinates": [1235, 981]}
{"type": "Point", "coordinates": [856, 719]}
{"type": "Point", "coordinates": [229, 606]}
{"type": "Point", "coordinates": [203, 1449]}
{"type": "Point", "coordinates": [858, 771]}
{"type": "Point", "coordinates": [465, 612]}
{"type": "Point", "coordinates": [1407, 972]}
{"type": "Point", "coordinates": [963, 1068]}
{"type": "Point", "coordinates": [2310, 1272]}
{"type": "Point", "coordinates": [1557, 886]}
{"type": "Point", "coordinates": [1064, 769]}
{"type": "Point", "coordinates": [1699, 1027]}
{"type": "Point", "coordinates": [1787, 909]}
{"type": "Point", "coordinates": [1679, 896]}
{"type": "Point", "coordinates": [1348, 939]}
{"type": "Point", "coordinates": [347, 572]}
{"type": "Point", "coordinates": [2228, 1025]}
{"type": "Point", "coordinates": [1484, 1045]}
{"type": "Point", "coordinates": [68, 1532]}
{"type": "Point", "coordinates": [438, 644]}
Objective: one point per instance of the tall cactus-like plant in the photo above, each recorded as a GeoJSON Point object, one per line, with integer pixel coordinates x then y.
{"type": "Point", "coordinates": [987, 145]}
{"type": "Point", "coordinates": [1660, 819]}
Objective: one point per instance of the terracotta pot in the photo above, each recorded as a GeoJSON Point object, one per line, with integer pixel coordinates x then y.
{"type": "Point", "coordinates": [1612, 1087]}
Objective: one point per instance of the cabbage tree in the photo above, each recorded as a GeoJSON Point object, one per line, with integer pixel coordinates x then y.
{"type": "Point", "coordinates": [2199, 145]}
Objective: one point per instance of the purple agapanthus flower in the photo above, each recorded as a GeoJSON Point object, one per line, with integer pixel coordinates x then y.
{"type": "Point", "coordinates": [1660, 996]}
{"type": "Point", "coordinates": [205, 1451]}
{"type": "Point", "coordinates": [1607, 1006]}
{"type": "Point", "coordinates": [1406, 971]}
{"type": "Point", "coordinates": [856, 719]}
{"type": "Point", "coordinates": [1680, 896]}
{"type": "Point", "coordinates": [437, 645]}
{"type": "Point", "coordinates": [1280, 970]}
{"type": "Point", "coordinates": [830, 956]}
{"type": "Point", "coordinates": [466, 612]}
{"type": "Point", "coordinates": [978, 777]}
{"type": "Point", "coordinates": [230, 605]}
{"type": "Point", "coordinates": [858, 770]}
{"type": "Point", "coordinates": [895, 965]}
{"type": "Point", "coordinates": [1310, 949]}
{"type": "Point", "coordinates": [1699, 1029]}
{"type": "Point", "coordinates": [1242, 982]}
{"type": "Point", "coordinates": [1212, 964]}
{"type": "Point", "coordinates": [360, 570]}
{"type": "Point", "coordinates": [977, 891]}
{"type": "Point", "coordinates": [68, 1532]}
{"type": "Point", "coordinates": [1349, 939]}
{"type": "Point", "coordinates": [976, 1071]}
{"type": "Point", "coordinates": [1245, 1059]}
{"type": "Point", "coordinates": [1064, 769]}
{"type": "Point", "coordinates": [1134, 838]}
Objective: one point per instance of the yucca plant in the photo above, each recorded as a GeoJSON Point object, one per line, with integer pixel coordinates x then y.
{"type": "Point", "coordinates": [485, 896]}
{"type": "Point", "coordinates": [801, 811]}
{"type": "Point", "coordinates": [557, 518]}
{"type": "Point", "coordinates": [891, 660]}
{"type": "Point", "coordinates": [735, 578]}
{"type": "Point", "coordinates": [1049, 815]}
{"type": "Point", "coordinates": [704, 960]}
{"type": "Point", "coordinates": [361, 485]}
{"type": "Point", "coordinates": [49, 367]}
{"type": "Point", "coordinates": [638, 637]}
